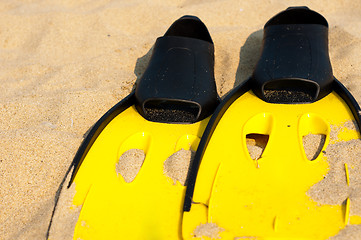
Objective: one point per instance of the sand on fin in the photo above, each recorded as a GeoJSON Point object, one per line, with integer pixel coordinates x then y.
{"type": "Point", "coordinates": [335, 188]}
{"type": "Point", "coordinates": [210, 230]}
{"type": "Point", "coordinates": [350, 232]}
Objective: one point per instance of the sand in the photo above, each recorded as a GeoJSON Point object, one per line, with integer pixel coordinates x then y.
{"type": "Point", "coordinates": [342, 156]}
{"type": "Point", "coordinates": [313, 144]}
{"type": "Point", "coordinates": [335, 183]}
{"type": "Point", "coordinates": [66, 215]}
{"type": "Point", "coordinates": [256, 143]}
{"type": "Point", "coordinates": [129, 164]}
{"type": "Point", "coordinates": [65, 63]}
{"type": "Point", "coordinates": [177, 165]}
{"type": "Point", "coordinates": [351, 232]}
{"type": "Point", "coordinates": [210, 230]}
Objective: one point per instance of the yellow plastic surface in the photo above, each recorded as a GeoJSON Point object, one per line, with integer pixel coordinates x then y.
{"type": "Point", "coordinates": [266, 199]}
{"type": "Point", "coordinates": [151, 206]}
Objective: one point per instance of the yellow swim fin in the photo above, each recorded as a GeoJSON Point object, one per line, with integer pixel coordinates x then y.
{"type": "Point", "coordinates": [272, 163]}
{"type": "Point", "coordinates": [130, 171]}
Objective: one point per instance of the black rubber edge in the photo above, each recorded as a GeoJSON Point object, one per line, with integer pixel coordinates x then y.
{"type": "Point", "coordinates": [97, 129]}
{"type": "Point", "coordinates": [294, 66]}
{"type": "Point", "coordinates": [297, 15]}
{"type": "Point", "coordinates": [191, 27]}
{"type": "Point", "coordinates": [208, 132]}
{"type": "Point", "coordinates": [351, 102]}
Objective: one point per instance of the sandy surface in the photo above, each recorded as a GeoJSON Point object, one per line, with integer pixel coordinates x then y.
{"type": "Point", "coordinates": [66, 214]}
{"type": "Point", "coordinates": [63, 64]}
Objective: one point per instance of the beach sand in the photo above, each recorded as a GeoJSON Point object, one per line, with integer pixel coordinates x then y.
{"type": "Point", "coordinates": [63, 64]}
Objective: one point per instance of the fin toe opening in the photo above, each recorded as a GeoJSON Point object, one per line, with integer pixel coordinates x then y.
{"type": "Point", "coordinates": [290, 91]}
{"type": "Point", "coordinates": [171, 111]}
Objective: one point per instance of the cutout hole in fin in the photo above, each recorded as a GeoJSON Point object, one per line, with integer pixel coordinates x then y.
{"type": "Point", "coordinates": [256, 143]}
{"type": "Point", "coordinates": [171, 111]}
{"type": "Point", "coordinates": [129, 164]}
{"type": "Point", "coordinates": [313, 144]}
{"type": "Point", "coordinates": [314, 133]}
{"type": "Point", "coordinates": [131, 155]}
{"type": "Point", "coordinates": [177, 165]}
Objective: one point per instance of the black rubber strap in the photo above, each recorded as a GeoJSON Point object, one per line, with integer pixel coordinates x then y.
{"type": "Point", "coordinates": [178, 85]}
